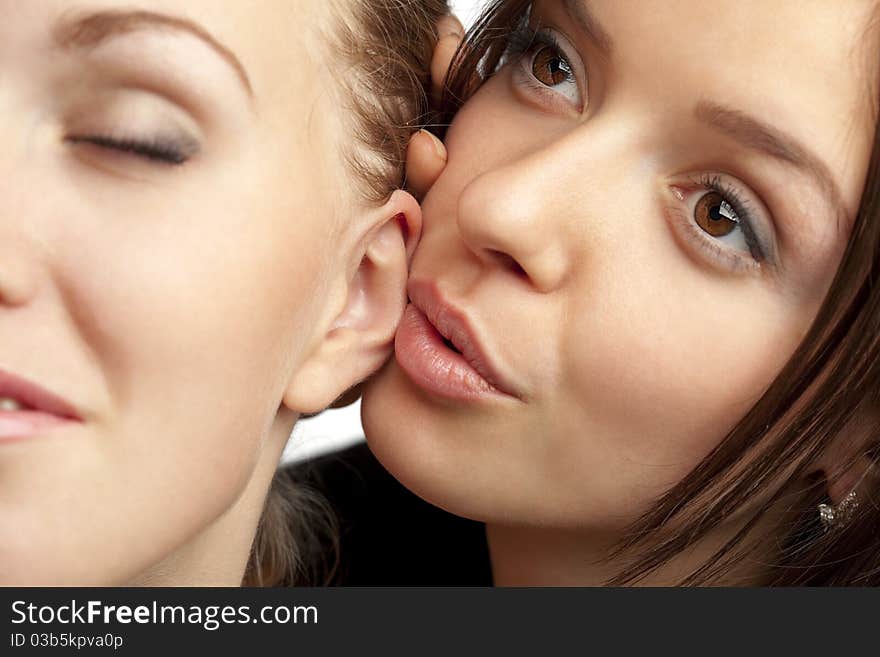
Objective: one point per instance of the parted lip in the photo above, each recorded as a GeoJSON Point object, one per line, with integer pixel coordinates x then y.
{"type": "Point", "coordinates": [35, 397]}
{"type": "Point", "coordinates": [456, 327]}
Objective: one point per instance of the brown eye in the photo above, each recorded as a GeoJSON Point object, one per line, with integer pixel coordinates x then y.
{"type": "Point", "coordinates": [715, 215]}
{"type": "Point", "coordinates": [549, 68]}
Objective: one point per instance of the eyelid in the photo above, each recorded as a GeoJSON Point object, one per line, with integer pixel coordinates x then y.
{"type": "Point", "coordinates": [754, 217]}
{"type": "Point", "coordinates": [524, 44]}
{"type": "Point", "coordinates": [170, 150]}
{"type": "Point", "coordinates": [121, 112]}
{"type": "Point", "coordinates": [173, 67]}
{"type": "Point", "coordinates": [124, 122]}
{"type": "Point", "coordinates": [573, 57]}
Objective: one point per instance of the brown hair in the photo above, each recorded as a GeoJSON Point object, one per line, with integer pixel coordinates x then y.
{"type": "Point", "coordinates": [383, 49]}
{"type": "Point", "coordinates": [761, 466]}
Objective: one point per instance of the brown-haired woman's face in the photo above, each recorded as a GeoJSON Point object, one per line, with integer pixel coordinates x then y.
{"type": "Point", "coordinates": [169, 199]}
{"type": "Point", "coordinates": [639, 218]}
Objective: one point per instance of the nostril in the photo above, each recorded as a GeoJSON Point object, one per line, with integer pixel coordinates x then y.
{"type": "Point", "coordinates": [509, 262]}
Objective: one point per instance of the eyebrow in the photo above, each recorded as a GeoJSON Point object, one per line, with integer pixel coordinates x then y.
{"type": "Point", "coordinates": [759, 136]}
{"type": "Point", "coordinates": [88, 31]}
{"type": "Point", "coordinates": [749, 131]}
{"type": "Point", "coordinates": [581, 14]}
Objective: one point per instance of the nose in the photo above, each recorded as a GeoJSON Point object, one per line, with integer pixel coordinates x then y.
{"type": "Point", "coordinates": [513, 217]}
{"type": "Point", "coordinates": [18, 281]}
{"type": "Point", "coordinates": [19, 192]}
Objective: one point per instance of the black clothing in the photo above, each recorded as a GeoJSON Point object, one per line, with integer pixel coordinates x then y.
{"type": "Point", "coordinates": [389, 536]}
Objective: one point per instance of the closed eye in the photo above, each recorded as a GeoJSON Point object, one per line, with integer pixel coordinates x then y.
{"type": "Point", "coordinates": [162, 151]}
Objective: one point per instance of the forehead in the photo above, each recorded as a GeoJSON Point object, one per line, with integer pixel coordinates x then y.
{"type": "Point", "coordinates": [272, 38]}
{"type": "Point", "coordinates": [807, 66]}
{"type": "Point", "coordinates": [276, 42]}
{"type": "Point", "coordinates": [279, 47]}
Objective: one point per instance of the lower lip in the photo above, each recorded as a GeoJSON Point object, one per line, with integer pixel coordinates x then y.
{"type": "Point", "coordinates": [27, 424]}
{"type": "Point", "coordinates": [433, 366]}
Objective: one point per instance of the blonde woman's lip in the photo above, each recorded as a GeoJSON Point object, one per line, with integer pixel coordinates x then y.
{"type": "Point", "coordinates": [29, 409]}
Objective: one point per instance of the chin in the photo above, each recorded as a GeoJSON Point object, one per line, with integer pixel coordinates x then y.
{"type": "Point", "coordinates": [410, 440]}
{"type": "Point", "coordinates": [432, 448]}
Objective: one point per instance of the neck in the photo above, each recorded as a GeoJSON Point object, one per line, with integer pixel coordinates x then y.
{"type": "Point", "coordinates": [529, 556]}
{"type": "Point", "coordinates": [219, 554]}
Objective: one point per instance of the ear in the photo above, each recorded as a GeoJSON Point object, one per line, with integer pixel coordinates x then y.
{"type": "Point", "coordinates": [359, 339]}
{"type": "Point", "coordinates": [847, 462]}
{"type": "Point", "coordinates": [450, 33]}
{"type": "Point", "coordinates": [841, 482]}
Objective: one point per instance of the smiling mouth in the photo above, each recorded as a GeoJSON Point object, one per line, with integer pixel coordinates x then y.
{"type": "Point", "coordinates": [10, 404]}
{"type": "Point", "coordinates": [27, 409]}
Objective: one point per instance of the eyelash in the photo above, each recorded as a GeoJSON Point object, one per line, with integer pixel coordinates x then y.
{"type": "Point", "coordinates": [525, 37]}
{"type": "Point", "coordinates": [161, 151]}
{"type": "Point", "coordinates": [733, 258]}
{"type": "Point", "coordinates": [743, 211]}
{"type": "Point", "coordinates": [527, 40]}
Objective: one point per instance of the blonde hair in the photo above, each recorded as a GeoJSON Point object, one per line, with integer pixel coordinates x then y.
{"type": "Point", "coordinates": [384, 50]}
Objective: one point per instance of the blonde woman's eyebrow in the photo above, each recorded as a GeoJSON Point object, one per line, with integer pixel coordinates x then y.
{"type": "Point", "coordinates": [82, 31]}
{"type": "Point", "coordinates": [769, 140]}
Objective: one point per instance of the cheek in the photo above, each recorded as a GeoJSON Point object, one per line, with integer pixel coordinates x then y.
{"type": "Point", "coordinates": [641, 364]}
{"type": "Point", "coordinates": [226, 297]}
{"type": "Point", "coordinates": [231, 304]}
{"type": "Point", "coordinates": [494, 128]}
{"type": "Point", "coordinates": [663, 366]}
{"type": "Point", "coordinates": [192, 320]}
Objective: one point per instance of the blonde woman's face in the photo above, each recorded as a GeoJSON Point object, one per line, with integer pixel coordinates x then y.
{"type": "Point", "coordinates": [169, 186]}
{"type": "Point", "coordinates": [639, 218]}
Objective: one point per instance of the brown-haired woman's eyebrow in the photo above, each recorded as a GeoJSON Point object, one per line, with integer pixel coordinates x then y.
{"type": "Point", "coordinates": [769, 140]}
{"type": "Point", "coordinates": [89, 30]}
{"type": "Point", "coordinates": [579, 11]}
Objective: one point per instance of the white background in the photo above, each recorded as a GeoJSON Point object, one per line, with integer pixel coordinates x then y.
{"type": "Point", "coordinates": [466, 10]}
{"type": "Point", "coordinates": [338, 428]}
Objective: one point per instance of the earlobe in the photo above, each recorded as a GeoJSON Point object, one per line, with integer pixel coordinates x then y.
{"type": "Point", "coordinates": [358, 340]}
{"type": "Point", "coordinates": [842, 471]}
{"type": "Point", "coordinates": [839, 486]}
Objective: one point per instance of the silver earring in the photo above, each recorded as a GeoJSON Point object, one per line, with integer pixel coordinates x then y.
{"type": "Point", "coordinates": [833, 517]}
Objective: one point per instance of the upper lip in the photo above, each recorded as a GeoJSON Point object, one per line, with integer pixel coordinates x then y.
{"type": "Point", "coordinates": [32, 395]}
{"type": "Point", "coordinates": [454, 325]}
